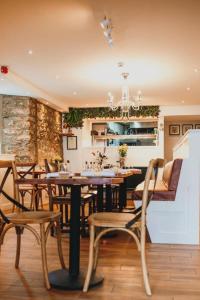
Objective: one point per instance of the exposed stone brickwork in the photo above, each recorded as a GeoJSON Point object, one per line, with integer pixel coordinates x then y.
{"type": "Point", "coordinates": [49, 126]}
{"type": "Point", "coordinates": [30, 130]}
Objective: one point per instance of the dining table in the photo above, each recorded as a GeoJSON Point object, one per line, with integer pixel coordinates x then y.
{"type": "Point", "coordinates": [73, 277]}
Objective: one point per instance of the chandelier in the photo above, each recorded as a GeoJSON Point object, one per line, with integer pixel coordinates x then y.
{"type": "Point", "coordinates": [126, 103]}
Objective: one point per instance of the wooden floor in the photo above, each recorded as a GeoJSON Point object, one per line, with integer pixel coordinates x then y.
{"type": "Point", "coordinates": [174, 271]}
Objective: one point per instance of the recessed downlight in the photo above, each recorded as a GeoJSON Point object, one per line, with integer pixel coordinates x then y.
{"type": "Point", "coordinates": [182, 101]}
{"type": "Point", "coordinates": [57, 76]}
{"type": "Point", "coordinates": [74, 93]}
{"type": "Point", "coordinates": [188, 89]}
{"type": "Point", "coordinates": [30, 51]}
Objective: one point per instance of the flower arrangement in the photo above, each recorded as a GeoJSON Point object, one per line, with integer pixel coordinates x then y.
{"type": "Point", "coordinates": [100, 157]}
{"type": "Point", "coordinates": [123, 150]}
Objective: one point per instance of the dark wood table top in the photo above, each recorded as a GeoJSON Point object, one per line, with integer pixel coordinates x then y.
{"type": "Point", "coordinates": [71, 181]}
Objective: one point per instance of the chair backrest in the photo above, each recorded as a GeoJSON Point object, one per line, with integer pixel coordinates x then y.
{"type": "Point", "coordinates": [9, 166]}
{"type": "Point", "coordinates": [49, 168]}
{"type": "Point", "coordinates": [150, 177]}
{"type": "Point", "coordinates": [152, 169]}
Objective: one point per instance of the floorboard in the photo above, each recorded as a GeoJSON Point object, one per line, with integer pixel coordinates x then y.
{"type": "Point", "coordinates": [174, 271]}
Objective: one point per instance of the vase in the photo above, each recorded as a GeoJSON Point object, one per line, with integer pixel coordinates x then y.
{"type": "Point", "coordinates": [122, 162]}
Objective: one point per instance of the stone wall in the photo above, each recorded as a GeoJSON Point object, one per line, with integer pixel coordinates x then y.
{"type": "Point", "coordinates": [30, 129]}
{"type": "Point", "coordinates": [49, 127]}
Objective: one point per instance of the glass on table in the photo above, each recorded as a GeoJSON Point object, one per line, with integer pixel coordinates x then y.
{"type": "Point", "coordinates": [63, 170]}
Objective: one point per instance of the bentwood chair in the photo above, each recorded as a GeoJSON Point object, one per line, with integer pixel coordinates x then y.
{"type": "Point", "coordinates": [62, 198]}
{"type": "Point", "coordinates": [34, 192]}
{"type": "Point", "coordinates": [133, 224]}
{"type": "Point", "coordinates": [24, 219]}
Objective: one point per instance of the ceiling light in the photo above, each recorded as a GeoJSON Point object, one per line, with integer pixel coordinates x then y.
{"type": "Point", "coordinates": [183, 101]}
{"type": "Point", "coordinates": [57, 76]}
{"type": "Point", "coordinates": [126, 103]}
{"type": "Point", "coordinates": [107, 33]}
{"type": "Point", "coordinates": [30, 52]}
{"type": "Point", "coordinates": [196, 70]}
{"type": "Point", "coordinates": [188, 89]}
{"type": "Point", "coordinates": [74, 93]}
{"type": "Point", "coordinates": [105, 22]}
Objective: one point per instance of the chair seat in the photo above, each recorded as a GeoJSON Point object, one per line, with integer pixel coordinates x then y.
{"type": "Point", "coordinates": [29, 187]}
{"type": "Point", "coordinates": [30, 217]}
{"type": "Point", "coordinates": [109, 219]}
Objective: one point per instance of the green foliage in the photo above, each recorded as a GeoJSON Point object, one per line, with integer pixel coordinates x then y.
{"type": "Point", "coordinates": [75, 116]}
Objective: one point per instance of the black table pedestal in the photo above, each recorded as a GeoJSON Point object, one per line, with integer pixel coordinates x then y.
{"type": "Point", "coordinates": [61, 279]}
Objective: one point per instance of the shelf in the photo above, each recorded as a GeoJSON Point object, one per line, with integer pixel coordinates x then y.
{"type": "Point", "coordinates": [66, 134]}
{"type": "Point", "coordinates": [125, 137]}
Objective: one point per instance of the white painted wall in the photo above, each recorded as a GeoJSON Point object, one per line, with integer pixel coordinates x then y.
{"type": "Point", "coordinates": [137, 155]}
{"type": "Point", "coordinates": [177, 222]}
{"type": "Point", "coordinates": [179, 110]}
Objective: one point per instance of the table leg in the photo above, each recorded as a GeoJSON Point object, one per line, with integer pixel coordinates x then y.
{"type": "Point", "coordinates": [73, 279]}
{"type": "Point", "coordinates": [99, 198]}
{"type": "Point", "coordinates": [123, 194]}
{"type": "Point", "coordinates": [108, 198]}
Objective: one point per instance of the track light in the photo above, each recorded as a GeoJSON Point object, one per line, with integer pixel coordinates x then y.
{"type": "Point", "coordinates": [106, 24]}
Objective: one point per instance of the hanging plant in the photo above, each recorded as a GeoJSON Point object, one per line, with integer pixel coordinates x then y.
{"type": "Point", "coordinates": [74, 118]}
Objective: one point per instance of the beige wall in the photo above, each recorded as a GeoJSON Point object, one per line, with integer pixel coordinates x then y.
{"type": "Point", "coordinates": [171, 140]}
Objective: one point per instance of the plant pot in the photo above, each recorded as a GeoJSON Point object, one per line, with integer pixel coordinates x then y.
{"type": "Point", "coordinates": [122, 162]}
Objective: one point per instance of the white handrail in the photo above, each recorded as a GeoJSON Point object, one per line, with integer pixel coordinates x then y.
{"type": "Point", "coordinates": [182, 140]}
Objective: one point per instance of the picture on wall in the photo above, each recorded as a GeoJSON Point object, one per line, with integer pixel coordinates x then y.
{"type": "Point", "coordinates": [174, 129]}
{"type": "Point", "coordinates": [197, 126]}
{"type": "Point", "coordinates": [71, 142]}
{"type": "Point", "coordinates": [186, 127]}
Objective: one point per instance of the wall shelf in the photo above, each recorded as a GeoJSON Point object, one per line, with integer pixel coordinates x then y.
{"type": "Point", "coordinates": [125, 136]}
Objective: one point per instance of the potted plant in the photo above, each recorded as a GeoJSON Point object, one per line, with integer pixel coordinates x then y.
{"type": "Point", "coordinates": [122, 150]}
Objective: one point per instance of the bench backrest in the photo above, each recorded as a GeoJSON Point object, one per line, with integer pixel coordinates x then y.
{"type": "Point", "coordinates": [171, 174]}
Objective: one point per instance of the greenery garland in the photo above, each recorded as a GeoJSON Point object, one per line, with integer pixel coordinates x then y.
{"type": "Point", "coordinates": [75, 116]}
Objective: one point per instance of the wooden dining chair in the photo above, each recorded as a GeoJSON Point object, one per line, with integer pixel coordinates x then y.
{"type": "Point", "coordinates": [62, 199]}
{"type": "Point", "coordinates": [24, 219]}
{"type": "Point", "coordinates": [34, 192]}
{"type": "Point", "coordinates": [133, 224]}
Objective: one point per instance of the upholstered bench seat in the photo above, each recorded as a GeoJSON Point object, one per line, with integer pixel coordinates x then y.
{"type": "Point", "coordinates": [165, 188]}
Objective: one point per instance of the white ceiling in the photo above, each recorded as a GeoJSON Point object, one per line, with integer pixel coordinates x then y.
{"type": "Point", "coordinates": [157, 40]}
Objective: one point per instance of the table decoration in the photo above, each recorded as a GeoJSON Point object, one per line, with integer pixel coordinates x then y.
{"type": "Point", "coordinates": [122, 150]}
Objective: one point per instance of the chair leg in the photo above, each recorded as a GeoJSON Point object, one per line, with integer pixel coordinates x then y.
{"type": "Point", "coordinates": [96, 253]}
{"type": "Point", "coordinates": [41, 200]}
{"type": "Point", "coordinates": [62, 216]}
{"type": "Point", "coordinates": [91, 259]}
{"type": "Point", "coordinates": [83, 231]}
{"type": "Point", "coordinates": [44, 256]}
{"type": "Point", "coordinates": [144, 265]}
{"type": "Point", "coordinates": [59, 244]}
{"type": "Point", "coordinates": [17, 257]}
{"type": "Point", "coordinates": [90, 208]}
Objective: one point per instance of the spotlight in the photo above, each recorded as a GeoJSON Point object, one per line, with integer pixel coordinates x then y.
{"type": "Point", "coordinates": [107, 32]}
{"type": "Point", "coordinates": [105, 22]}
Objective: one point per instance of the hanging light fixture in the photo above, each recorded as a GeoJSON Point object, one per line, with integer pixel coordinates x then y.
{"type": "Point", "coordinates": [107, 27]}
{"type": "Point", "coordinates": [126, 102]}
